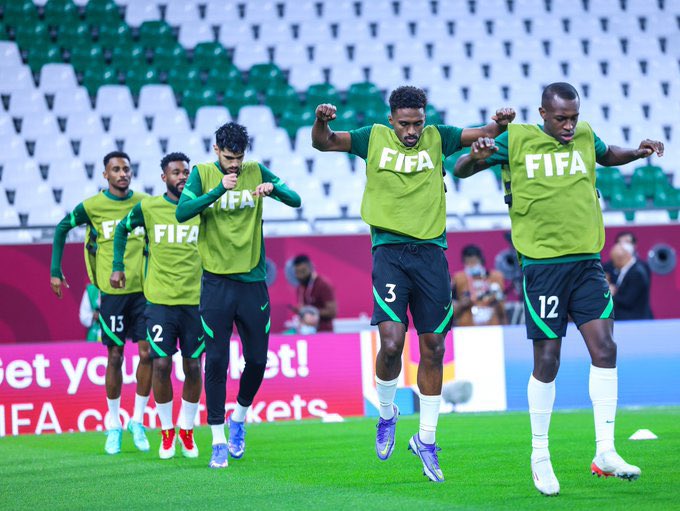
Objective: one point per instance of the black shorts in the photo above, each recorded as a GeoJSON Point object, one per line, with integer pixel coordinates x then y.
{"type": "Point", "coordinates": [553, 292]}
{"type": "Point", "coordinates": [414, 276]}
{"type": "Point", "coordinates": [225, 302]}
{"type": "Point", "coordinates": [165, 324]}
{"type": "Point", "coordinates": [122, 317]}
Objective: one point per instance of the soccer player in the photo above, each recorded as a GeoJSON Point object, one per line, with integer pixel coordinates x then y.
{"type": "Point", "coordinates": [558, 231]}
{"type": "Point", "coordinates": [122, 311]}
{"type": "Point", "coordinates": [404, 203]}
{"type": "Point", "coordinates": [228, 195]}
{"type": "Point", "coordinates": [171, 287]}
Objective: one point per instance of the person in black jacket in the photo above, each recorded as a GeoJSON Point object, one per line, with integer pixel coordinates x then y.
{"type": "Point", "coordinates": [630, 290]}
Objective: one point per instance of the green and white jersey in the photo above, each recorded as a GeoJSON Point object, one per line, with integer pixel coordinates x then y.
{"type": "Point", "coordinates": [230, 238]}
{"type": "Point", "coordinates": [173, 267]}
{"type": "Point", "coordinates": [555, 210]}
{"type": "Point", "coordinates": [404, 199]}
{"type": "Point", "coordinates": [101, 213]}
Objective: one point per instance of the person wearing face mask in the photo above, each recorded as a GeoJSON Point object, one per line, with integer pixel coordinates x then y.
{"type": "Point", "coordinates": [309, 320]}
{"type": "Point", "coordinates": [478, 293]}
{"type": "Point", "coordinates": [314, 290]}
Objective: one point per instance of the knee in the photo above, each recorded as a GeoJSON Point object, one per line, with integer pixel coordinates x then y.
{"type": "Point", "coordinates": [391, 348]}
{"type": "Point", "coordinates": [115, 358]}
{"type": "Point", "coordinates": [144, 353]}
{"type": "Point", "coordinates": [162, 367]}
{"type": "Point", "coordinates": [433, 352]}
{"type": "Point", "coordinates": [605, 353]}
{"type": "Point", "coordinates": [547, 364]}
{"type": "Point", "coordinates": [192, 370]}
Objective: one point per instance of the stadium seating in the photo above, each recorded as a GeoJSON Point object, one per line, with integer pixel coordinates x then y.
{"type": "Point", "coordinates": [151, 76]}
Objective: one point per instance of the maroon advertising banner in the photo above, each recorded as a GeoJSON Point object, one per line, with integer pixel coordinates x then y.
{"type": "Point", "coordinates": [59, 387]}
{"type": "Point", "coordinates": [29, 311]}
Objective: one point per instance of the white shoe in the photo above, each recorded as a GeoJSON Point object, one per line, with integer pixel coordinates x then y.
{"type": "Point", "coordinates": [544, 477]}
{"type": "Point", "coordinates": [610, 464]}
{"type": "Point", "coordinates": [167, 447]}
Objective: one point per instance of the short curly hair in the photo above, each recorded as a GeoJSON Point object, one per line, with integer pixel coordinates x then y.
{"type": "Point", "coordinates": [173, 157]}
{"type": "Point", "coordinates": [233, 137]}
{"type": "Point", "coordinates": [407, 96]}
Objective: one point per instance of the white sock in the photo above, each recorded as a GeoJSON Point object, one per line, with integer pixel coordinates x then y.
{"type": "Point", "coordinates": [541, 398]}
{"type": "Point", "coordinates": [187, 415]}
{"type": "Point", "coordinates": [218, 434]}
{"type": "Point", "coordinates": [239, 413]}
{"type": "Point", "coordinates": [603, 390]}
{"type": "Point", "coordinates": [114, 413]}
{"type": "Point", "coordinates": [429, 415]}
{"type": "Point", "coordinates": [140, 405]}
{"type": "Point", "coordinates": [386, 392]}
{"type": "Point", "coordinates": [164, 411]}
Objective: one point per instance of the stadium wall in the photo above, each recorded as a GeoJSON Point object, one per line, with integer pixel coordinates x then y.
{"type": "Point", "coordinates": [31, 313]}
{"type": "Point", "coordinates": [59, 387]}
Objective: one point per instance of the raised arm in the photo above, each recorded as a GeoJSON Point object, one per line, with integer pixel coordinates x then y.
{"type": "Point", "coordinates": [134, 219]}
{"type": "Point", "coordinates": [480, 150]}
{"type": "Point", "coordinates": [76, 217]}
{"type": "Point", "coordinates": [193, 200]}
{"type": "Point", "coordinates": [503, 117]}
{"type": "Point", "coordinates": [323, 137]}
{"type": "Point", "coordinates": [620, 155]}
{"type": "Point", "coordinates": [273, 186]}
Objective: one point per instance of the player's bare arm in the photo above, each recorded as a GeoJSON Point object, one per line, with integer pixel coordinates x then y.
{"type": "Point", "coordinates": [323, 137]}
{"type": "Point", "coordinates": [471, 163]}
{"type": "Point", "coordinates": [117, 280]}
{"type": "Point", "coordinates": [56, 284]}
{"type": "Point", "coordinates": [501, 119]}
{"type": "Point", "coordinates": [620, 156]}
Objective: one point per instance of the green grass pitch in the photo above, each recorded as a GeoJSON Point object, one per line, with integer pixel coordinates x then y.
{"type": "Point", "coordinates": [310, 465]}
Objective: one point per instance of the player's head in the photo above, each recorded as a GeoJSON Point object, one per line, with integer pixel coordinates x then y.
{"type": "Point", "coordinates": [175, 168]}
{"type": "Point", "coordinates": [626, 237]}
{"type": "Point", "coordinates": [559, 109]}
{"type": "Point", "coordinates": [117, 170]}
{"type": "Point", "coordinates": [231, 141]}
{"type": "Point", "coordinates": [407, 113]}
{"type": "Point", "coordinates": [473, 260]}
{"type": "Point", "coordinates": [302, 265]}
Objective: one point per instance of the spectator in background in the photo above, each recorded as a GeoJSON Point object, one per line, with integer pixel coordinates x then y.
{"type": "Point", "coordinates": [626, 237]}
{"type": "Point", "coordinates": [477, 293]}
{"type": "Point", "coordinates": [314, 290]}
{"type": "Point", "coordinates": [89, 313]}
{"type": "Point", "coordinates": [630, 290]}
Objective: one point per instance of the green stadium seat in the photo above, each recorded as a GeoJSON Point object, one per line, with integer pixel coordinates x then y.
{"type": "Point", "coordinates": [32, 34]}
{"type": "Point", "coordinates": [137, 77]}
{"type": "Point", "coordinates": [84, 57]}
{"type": "Point", "coordinates": [95, 77]}
{"type": "Point", "coordinates": [609, 181]}
{"type": "Point", "coordinates": [168, 56]}
{"type": "Point", "coordinates": [114, 35]}
{"type": "Point", "coordinates": [41, 55]}
{"type": "Point", "coordinates": [126, 56]}
{"type": "Point", "coordinates": [345, 121]}
{"type": "Point", "coordinates": [184, 78]}
{"type": "Point", "coordinates": [292, 120]}
{"type": "Point", "coordinates": [279, 99]}
{"type": "Point", "coordinates": [102, 12]}
{"type": "Point", "coordinates": [153, 34]}
{"type": "Point", "coordinates": [646, 179]}
{"type": "Point", "coordinates": [223, 78]}
{"type": "Point", "coordinates": [58, 13]}
{"type": "Point", "coordinates": [432, 115]}
{"type": "Point", "coordinates": [319, 93]}
{"type": "Point", "coordinates": [208, 56]}
{"type": "Point", "coordinates": [377, 116]}
{"type": "Point", "coordinates": [193, 99]}
{"type": "Point", "coordinates": [20, 12]}
{"type": "Point", "coordinates": [235, 98]}
{"type": "Point", "coordinates": [71, 35]}
{"type": "Point", "coordinates": [265, 76]}
{"type": "Point", "coordinates": [364, 96]}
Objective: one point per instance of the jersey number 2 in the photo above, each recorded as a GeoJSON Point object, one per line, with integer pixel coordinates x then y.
{"type": "Point", "coordinates": [157, 333]}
